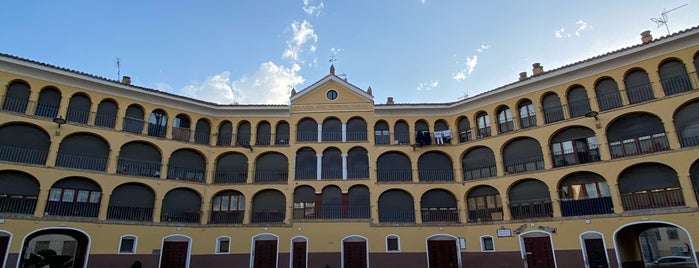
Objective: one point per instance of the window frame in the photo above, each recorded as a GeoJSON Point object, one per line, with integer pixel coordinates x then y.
{"type": "Point", "coordinates": [134, 247]}
{"type": "Point", "coordinates": [219, 240]}
{"type": "Point", "coordinates": [483, 244]}
{"type": "Point", "coordinates": [397, 238]}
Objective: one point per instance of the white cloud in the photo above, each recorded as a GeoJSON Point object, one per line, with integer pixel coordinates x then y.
{"type": "Point", "coordinates": [471, 63]}
{"type": "Point", "coordinates": [311, 9]}
{"type": "Point", "coordinates": [582, 25]}
{"type": "Point", "coordinates": [303, 33]}
{"type": "Point", "coordinates": [467, 69]}
{"type": "Point", "coordinates": [459, 76]}
{"type": "Point", "coordinates": [559, 33]}
{"type": "Point", "coordinates": [483, 48]}
{"type": "Point", "coordinates": [270, 84]}
{"type": "Point", "coordinates": [216, 88]}
{"type": "Point", "coordinates": [428, 85]}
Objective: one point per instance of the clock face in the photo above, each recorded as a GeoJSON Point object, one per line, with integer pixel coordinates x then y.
{"type": "Point", "coordinates": [331, 94]}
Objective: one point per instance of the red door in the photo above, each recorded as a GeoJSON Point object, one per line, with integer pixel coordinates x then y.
{"type": "Point", "coordinates": [538, 252]}
{"type": "Point", "coordinates": [174, 255]}
{"type": "Point", "coordinates": [442, 254]}
{"type": "Point", "coordinates": [4, 241]}
{"type": "Point", "coordinates": [299, 257]}
{"type": "Point", "coordinates": [355, 254]}
{"type": "Point", "coordinates": [265, 254]}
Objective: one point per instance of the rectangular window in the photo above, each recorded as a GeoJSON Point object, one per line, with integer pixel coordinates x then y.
{"type": "Point", "coordinates": [672, 234]}
{"type": "Point", "coordinates": [68, 195]}
{"type": "Point", "coordinates": [392, 244]}
{"type": "Point", "coordinates": [223, 245]}
{"type": "Point", "coordinates": [488, 244]}
{"type": "Point", "coordinates": [128, 245]}
{"type": "Point", "coordinates": [69, 248]}
{"type": "Point", "coordinates": [55, 194]}
{"type": "Point", "coordinates": [41, 245]}
{"type": "Point", "coordinates": [83, 196]}
{"type": "Point", "coordinates": [95, 197]}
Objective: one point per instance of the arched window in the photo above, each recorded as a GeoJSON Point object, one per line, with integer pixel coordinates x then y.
{"type": "Point", "coordinates": [402, 132]}
{"type": "Point", "coordinates": [608, 96]}
{"type": "Point", "coordinates": [225, 134]}
{"type": "Point", "coordinates": [484, 204]}
{"type": "Point", "coordinates": [332, 130]}
{"type": "Point", "coordinates": [578, 103]}
{"type": "Point", "coordinates": [306, 164]}
{"type": "Point", "coordinates": [483, 123]}
{"type": "Point", "coordinates": [131, 202]}
{"type": "Point", "coordinates": [356, 129]}
{"type": "Point", "coordinates": [638, 87]}
{"type": "Point", "coordinates": [157, 124]}
{"type": "Point", "coordinates": [396, 206]}
{"type": "Point", "coordinates": [17, 97]}
{"type": "Point", "coordinates": [381, 133]}
{"type": "Point", "coordinates": [464, 130]}
{"type": "Point", "coordinates": [505, 123]}
{"type": "Point", "coordinates": [650, 186]}
{"type": "Point", "coordinates": [435, 166]}
{"type": "Point", "coordinates": [106, 114]}
{"type": "Point", "coordinates": [635, 134]}
{"type": "Point", "coordinates": [133, 121]}
{"type": "Point", "coordinates": [530, 198]}
{"type": "Point", "coordinates": [393, 166]}
{"type": "Point", "coordinates": [202, 132]}
{"type": "Point", "coordinates": [674, 77]}
{"type": "Point", "coordinates": [264, 133]}
{"type": "Point", "coordinates": [243, 136]}
{"type": "Point", "coordinates": [686, 121]}
{"type": "Point", "coordinates": [79, 109]}
{"type": "Point", "coordinates": [584, 193]}
{"type": "Point", "coordinates": [181, 129]}
{"type": "Point", "coordinates": [575, 145]}
{"type": "Point", "coordinates": [228, 207]}
{"type": "Point", "coordinates": [479, 163]}
{"type": "Point", "coordinates": [268, 206]}
{"type": "Point", "coordinates": [181, 205]}
{"type": "Point", "coordinates": [281, 135]}
{"type": "Point", "coordinates": [307, 130]}
{"type": "Point", "coordinates": [553, 110]}
{"type": "Point", "coordinates": [523, 155]}
{"type": "Point", "coordinates": [527, 115]}
{"type": "Point", "coordinates": [49, 102]}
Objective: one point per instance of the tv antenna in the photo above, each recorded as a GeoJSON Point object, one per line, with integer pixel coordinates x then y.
{"type": "Point", "coordinates": [663, 18]}
{"type": "Point", "coordinates": [118, 65]}
{"type": "Point", "coordinates": [464, 96]}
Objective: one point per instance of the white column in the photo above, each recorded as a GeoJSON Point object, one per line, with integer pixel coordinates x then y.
{"type": "Point", "coordinates": [344, 132]}
{"type": "Point", "coordinates": [320, 133]}
{"type": "Point", "coordinates": [319, 166]}
{"type": "Point", "coordinates": [344, 165]}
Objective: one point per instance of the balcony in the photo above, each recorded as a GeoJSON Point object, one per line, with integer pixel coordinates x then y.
{"type": "Point", "coordinates": [271, 175]}
{"type": "Point", "coordinates": [653, 199]}
{"type": "Point", "coordinates": [332, 213]}
{"type": "Point", "coordinates": [180, 215]}
{"type": "Point", "coordinates": [14, 104]}
{"type": "Point", "coordinates": [77, 115]}
{"type": "Point", "coordinates": [230, 176]}
{"type": "Point", "coordinates": [689, 140]}
{"type": "Point", "coordinates": [46, 110]}
{"type": "Point", "coordinates": [609, 101]}
{"type": "Point", "coordinates": [640, 93]}
{"type": "Point", "coordinates": [396, 215]}
{"type": "Point", "coordinates": [587, 206]}
{"type": "Point", "coordinates": [485, 215]}
{"type": "Point", "coordinates": [527, 209]}
{"type": "Point", "coordinates": [331, 173]}
{"type": "Point", "coordinates": [72, 209]}
{"type": "Point", "coordinates": [15, 204]}
{"type": "Point", "coordinates": [524, 165]}
{"type": "Point", "coordinates": [201, 137]}
{"type": "Point", "coordinates": [125, 213]}
{"type": "Point", "coordinates": [387, 175]}
{"type": "Point", "coordinates": [181, 134]}
{"type": "Point", "coordinates": [440, 215]}
{"type": "Point", "coordinates": [306, 173]}
{"type": "Point", "coordinates": [480, 172]}
{"type": "Point", "coordinates": [553, 114]}
{"type": "Point", "coordinates": [133, 125]}
{"type": "Point", "coordinates": [639, 145]}
{"type": "Point", "coordinates": [138, 168]}
{"type": "Point", "coordinates": [227, 217]}
{"type": "Point", "coordinates": [155, 130]}
{"type": "Point", "coordinates": [332, 135]}
{"type": "Point", "coordinates": [186, 174]}
{"type": "Point", "coordinates": [269, 215]}
{"type": "Point", "coordinates": [263, 138]}
{"type": "Point", "coordinates": [432, 175]}
{"type": "Point", "coordinates": [357, 136]}
{"type": "Point", "coordinates": [307, 135]}
{"type": "Point", "coordinates": [105, 120]}
{"type": "Point", "coordinates": [23, 155]}
{"type": "Point", "coordinates": [677, 84]}
{"type": "Point", "coordinates": [85, 162]}
{"type": "Point", "coordinates": [358, 173]}
{"type": "Point", "coordinates": [573, 157]}
{"type": "Point", "coordinates": [579, 108]}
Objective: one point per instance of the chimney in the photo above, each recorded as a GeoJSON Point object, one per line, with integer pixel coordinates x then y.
{"type": "Point", "coordinates": [537, 69]}
{"type": "Point", "coordinates": [646, 37]}
{"type": "Point", "coordinates": [390, 101]}
{"type": "Point", "coordinates": [522, 76]}
{"type": "Point", "coordinates": [126, 80]}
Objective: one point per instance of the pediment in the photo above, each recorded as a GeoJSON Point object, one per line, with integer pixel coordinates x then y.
{"type": "Point", "coordinates": [331, 93]}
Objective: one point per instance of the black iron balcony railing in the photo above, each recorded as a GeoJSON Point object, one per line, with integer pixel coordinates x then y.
{"type": "Point", "coordinates": [690, 139]}
{"type": "Point", "coordinates": [578, 108]}
{"type": "Point", "coordinates": [138, 168]}
{"type": "Point", "coordinates": [306, 173]}
{"type": "Point", "coordinates": [526, 209]}
{"type": "Point", "coordinates": [332, 135]}
{"type": "Point", "coordinates": [156, 130]}
{"type": "Point", "coordinates": [227, 217]}
{"type": "Point", "coordinates": [224, 139]}
{"type": "Point", "coordinates": [133, 125]}
{"type": "Point", "coordinates": [127, 213]}
{"type": "Point", "coordinates": [527, 121]}
{"type": "Point", "coordinates": [396, 215]}
{"type": "Point", "coordinates": [609, 101]}
{"type": "Point", "coordinates": [653, 199]}
{"type": "Point", "coordinates": [263, 138]}
{"type": "Point", "coordinates": [202, 137]}
{"type": "Point", "coordinates": [485, 215]}
{"type": "Point", "coordinates": [480, 172]}
{"type": "Point", "coordinates": [180, 215]}
{"type": "Point", "coordinates": [382, 138]}
{"type": "Point", "coordinates": [506, 126]}
{"type": "Point", "coordinates": [331, 173]}
{"type": "Point", "coordinates": [639, 145]}
{"type": "Point", "coordinates": [86, 162]}
{"type": "Point", "coordinates": [14, 104]}
{"type": "Point", "coordinates": [271, 175]}
{"type": "Point", "coordinates": [230, 176]}
{"type": "Point", "coordinates": [586, 206]}
{"type": "Point", "coordinates": [332, 213]}
{"type": "Point", "coordinates": [46, 110]}
{"type": "Point", "coordinates": [440, 214]}
{"type": "Point", "coordinates": [384, 175]}
{"type": "Point", "coordinates": [465, 135]}
{"type": "Point", "coordinates": [357, 136]}
{"type": "Point", "coordinates": [16, 204]}
{"type": "Point", "coordinates": [553, 114]}
{"type": "Point", "coordinates": [186, 173]}
{"type": "Point", "coordinates": [105, 120]}
{"type": "Point", "coordinates": [429, 175]}
{"type": "Point", "coordinates": [358, 172]}
{"type": "Point", "coordinates": [77, 115]}
{"type": "Point", "coordinates": [639, 93]}
{"type": "Point", "coordinates": [181, 134]}
{"type": "Point", "coordinates": [573, 157]}
{"type": "Point", "coordinates": [402, 137]}
{"type": "Point", "coordinates": [307, 135]}
{"type": "Point", "coordinates": [268, 215]}
{"type": "Point", "coordinates": [524, 165]}
{"type": "Point", "coordinates": [281, 139]}
{"type": "Point", "coordinates": [72, 209]}
{"type": "Point", "coordinates": [677, 84]}
{"type": "Point", "coordinates": [23, 155]}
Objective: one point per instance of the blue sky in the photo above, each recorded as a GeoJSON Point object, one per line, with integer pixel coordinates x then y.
{"type": "Point", "coordinates": [254, 52]}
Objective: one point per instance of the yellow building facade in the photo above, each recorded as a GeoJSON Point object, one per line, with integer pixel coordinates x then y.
{"type": "Point", "coordinates": [570, 167]}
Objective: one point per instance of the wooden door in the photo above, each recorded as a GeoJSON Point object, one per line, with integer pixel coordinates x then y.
{"type": "Point", "coordinates": [299, 257]}
{"type": "Point", "coordinates": [265, 254]}
{"type": "Point", "coordinates": [538, 252]}
{"type": "Point", "coordinates": [442, 254]}
{"type": "Point", "coordinates": [354, 254]}
{"type": "Point", "coordinates": [174, 255]}
{"type": "Point", "coordinates": [596, 253]}
{"type": "Point", "coordinates": [4, 241]}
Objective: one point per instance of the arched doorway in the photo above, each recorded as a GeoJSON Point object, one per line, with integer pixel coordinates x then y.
{"type": "Point", "coordinates": [68, 247]}
{"type": "Point", "coordinates": [355, 252]}
{"type": "Point", "coordinates": [175, 251]}
{"type": "Point", "coordinates": [537, 249]}
{"type": "Point", "coordinates": [264, 251]}
{"type": "Point", "coordinates": [442, 251]}
{"type": "Point", "coordinates": [594, 251]}
{"type": "Point", "coordinates": [639, 243]}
